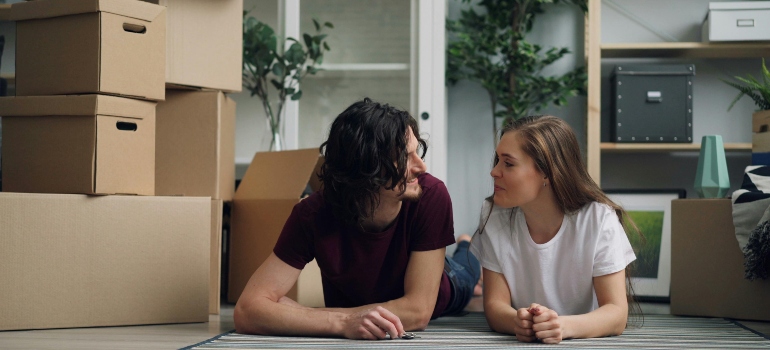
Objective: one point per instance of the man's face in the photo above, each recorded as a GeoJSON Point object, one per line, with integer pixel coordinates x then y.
{"type": "Point", "coordinates": [414, 167]}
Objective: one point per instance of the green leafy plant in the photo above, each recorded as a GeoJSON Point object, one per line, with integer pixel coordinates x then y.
{"type": "Point", "coordinates": [758, 91]}
{"type": "Point", "coordinates": [266, 63]}
{"type": "Point", "coordinates": [490, 48]}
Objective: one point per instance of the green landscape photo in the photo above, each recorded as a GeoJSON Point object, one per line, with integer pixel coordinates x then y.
{"type": "Point", "coordinates": [650, 223]}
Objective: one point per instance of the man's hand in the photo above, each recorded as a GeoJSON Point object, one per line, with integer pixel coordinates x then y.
{"type": "Point", "coordinates": [522, 326]}
{"type": "Point", "coordinates": [547, 325]}
{"type": "Point", "coordinates": [372, 324]}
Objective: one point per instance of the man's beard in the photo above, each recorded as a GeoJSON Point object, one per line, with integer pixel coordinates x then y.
{"type": "Point", "coordinates": [411, 196]}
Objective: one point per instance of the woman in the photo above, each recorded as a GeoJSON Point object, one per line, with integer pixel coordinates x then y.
{"type": "Point", "coordinates": [553, 250]}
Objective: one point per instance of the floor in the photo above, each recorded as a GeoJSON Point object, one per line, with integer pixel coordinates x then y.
{"type": "Point", "coordinates": [175, 336]}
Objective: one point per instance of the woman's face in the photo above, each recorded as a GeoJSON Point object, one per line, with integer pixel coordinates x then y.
{"type": "Point", "coordinates": [517, 179]}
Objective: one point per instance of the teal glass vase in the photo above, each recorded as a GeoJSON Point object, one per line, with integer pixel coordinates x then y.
{"type": "Point", "coordinates": [711, 179]}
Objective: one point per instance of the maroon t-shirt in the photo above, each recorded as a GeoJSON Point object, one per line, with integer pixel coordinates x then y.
{"type": "Point", "coordinates": [360, 268]}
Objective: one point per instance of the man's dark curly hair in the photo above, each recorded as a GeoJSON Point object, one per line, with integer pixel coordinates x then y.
{"type": "Point", "coordinates": [365, 151]}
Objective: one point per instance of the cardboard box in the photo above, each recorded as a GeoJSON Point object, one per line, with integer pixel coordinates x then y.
{"type": "Point", "coordinates": [760, 138]}
{"type": "Point", "coordinates": [215, 266]}
{"type": "Point", "coordinates": [90, 144]}
{"type": "Point", "coordinates": [737, 21]}
{"type": "Point", "coordinates": [707, 264]}
{"type": "Point", "coordinates": [83, 261]}
{"type": "Point", "coordinates": [195, 145]}
{"type": "Point", "coordinates": [260, 209]}
{"type": "Point", "coordinates": [204, 45]}
{"type": "Point", "coordinates": [66, 47]}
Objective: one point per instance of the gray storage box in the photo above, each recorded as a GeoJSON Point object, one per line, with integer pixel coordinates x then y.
{"type": "Point", "coordinates": [737, 21]}
{"type": "Point", "coordinates": [652, 103]}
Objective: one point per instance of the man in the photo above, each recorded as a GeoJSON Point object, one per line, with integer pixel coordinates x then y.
{"type": "Point", "coordinates": [378, 230]}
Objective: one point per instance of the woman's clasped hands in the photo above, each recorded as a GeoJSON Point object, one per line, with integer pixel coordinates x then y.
{"type": "Point", "coordinates": [538, 322]}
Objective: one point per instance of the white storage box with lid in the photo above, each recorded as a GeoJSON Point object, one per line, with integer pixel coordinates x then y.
{"type": "Point", "coordinates": [737, 21]}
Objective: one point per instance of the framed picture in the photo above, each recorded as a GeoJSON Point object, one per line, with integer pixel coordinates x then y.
{"type": "Point", "coordinates": [651, 212]}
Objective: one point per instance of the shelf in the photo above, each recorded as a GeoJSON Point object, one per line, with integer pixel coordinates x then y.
{"type": "Point", "coordinates": [362, 70]}
{"type": "Point", "coordinates": [687, 50]}
{"type": "Point", "coordinates": [610, 147]}
{"type": "Point", "coordinates": [365, 67]}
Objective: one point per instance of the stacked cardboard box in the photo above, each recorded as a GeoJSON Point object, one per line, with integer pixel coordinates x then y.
{"type": "Point", "coordinates": [195, 156]}
{"type": "Point", "coordinates": [89, 76]}
{"type": "Point", "coordinates": [195, 135]}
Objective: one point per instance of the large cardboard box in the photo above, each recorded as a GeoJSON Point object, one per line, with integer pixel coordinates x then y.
{"type": "Point", "coordinates": [263, 201]}
{"type": "Point", "coordinates": [66, 47]}
{"type": "Point", "coordinates": [82, 261]}
{"type": "Point", "coordinates": [195, 145]}
{"type": "Point", "coordinates": [204, 45]}
{"type": "Point", "coordinates": [707, 264]}
{"type": "Point", "coordinates": [90, 144]}
{"type": "Point", "coordinates": [215, 264]}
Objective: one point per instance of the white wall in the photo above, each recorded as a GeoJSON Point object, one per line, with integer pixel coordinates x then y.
{"type": "Point", "coordinates": [470, 148]}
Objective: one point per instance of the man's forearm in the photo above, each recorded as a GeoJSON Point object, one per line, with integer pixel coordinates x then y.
{"type": "Point", "coordinates": [412, 315]}
{"type": "Point", "coordinates": [264, 316]}
{"type": "Point", "coordinates": [413, 318]}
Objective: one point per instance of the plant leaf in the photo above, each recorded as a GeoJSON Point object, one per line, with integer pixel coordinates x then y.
{"type": "Point", "coordinates": [278, 70]}
{"type": "Point", "coordinates": [296, 96]}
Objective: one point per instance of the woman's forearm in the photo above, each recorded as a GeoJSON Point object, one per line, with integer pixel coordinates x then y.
{"type": "Point", "coordinates": [609, 319]}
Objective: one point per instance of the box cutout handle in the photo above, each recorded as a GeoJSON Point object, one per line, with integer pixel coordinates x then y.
{"type": "Point", "coordinates": [126, 126]}
{"type": "Point", "coordinates": [134, 28]}
{"type": "Point", "coordinates": [654, 97]}
{"type": "Point", "coordinates": [745, 23]}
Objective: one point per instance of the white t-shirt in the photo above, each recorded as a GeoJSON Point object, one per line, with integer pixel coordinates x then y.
{"type": "Point", "coordinates": [558, 274]}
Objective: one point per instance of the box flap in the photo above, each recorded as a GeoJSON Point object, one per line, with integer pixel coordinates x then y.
{"type": "Point", "coordinates": [63, 105]}
{"type": "Point", "coordinates": [55, 8]}
{"type": "Point", "coordinates": [278, 175]}
{"type": "Point", "coordinates": [5, 12]}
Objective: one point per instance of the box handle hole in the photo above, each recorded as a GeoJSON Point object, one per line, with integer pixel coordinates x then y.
{"type": "Point", "coordinates": [745, 23]}
{"type": "Point", "coordinates": [134, 28]}
{"type": "Point", "coordinates": [126, 126]}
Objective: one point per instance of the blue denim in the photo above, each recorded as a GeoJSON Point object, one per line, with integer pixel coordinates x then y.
{"type": "Point", "coordinates": [464, 271]}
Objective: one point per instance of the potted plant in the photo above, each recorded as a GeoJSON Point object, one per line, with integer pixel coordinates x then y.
{"type": "Point", "coordinates": [266, 63]}
{"type": "Point", "coordinates": [759, 93]}
{"type": "Point", "coordinates": [490, 48]}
